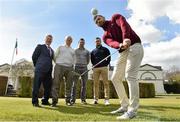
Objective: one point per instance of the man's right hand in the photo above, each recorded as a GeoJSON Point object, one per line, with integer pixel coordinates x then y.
{"type": "Point", "coordinates": [121, 47]}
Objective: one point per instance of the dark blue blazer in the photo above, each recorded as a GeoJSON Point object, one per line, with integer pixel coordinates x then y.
{"type": "Point", "coordinates": [42, 59]}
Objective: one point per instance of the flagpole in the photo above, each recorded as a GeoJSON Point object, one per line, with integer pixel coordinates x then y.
{"type": "Point", "coordinates": [10, 70]}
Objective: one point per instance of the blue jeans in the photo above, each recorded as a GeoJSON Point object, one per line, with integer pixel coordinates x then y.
{"type": "Point", "coordinates": [84, 78]}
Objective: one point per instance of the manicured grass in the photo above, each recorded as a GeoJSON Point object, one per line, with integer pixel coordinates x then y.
{"type": "Point", "coordinates": [161, 108]}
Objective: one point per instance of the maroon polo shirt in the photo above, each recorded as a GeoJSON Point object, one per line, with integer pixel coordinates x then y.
{"type": "Point", "coordinates": [116, 30]}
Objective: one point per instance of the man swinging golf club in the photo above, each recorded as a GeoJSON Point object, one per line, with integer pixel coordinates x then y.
{"type": "Point", "coordinates": [119, 35]}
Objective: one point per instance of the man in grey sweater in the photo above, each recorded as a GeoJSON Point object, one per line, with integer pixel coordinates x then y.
{"type": "Point", "coordinates": [82, 60]}
{"type": "Point", "coordinates": [64, 59]}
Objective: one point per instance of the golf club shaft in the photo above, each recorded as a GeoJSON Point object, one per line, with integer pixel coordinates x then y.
{"type": "Point", "coordinates": [99, 63]}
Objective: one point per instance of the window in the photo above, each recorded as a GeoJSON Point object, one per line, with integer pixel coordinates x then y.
{"type": "Point", "coordinates": [148, 78]}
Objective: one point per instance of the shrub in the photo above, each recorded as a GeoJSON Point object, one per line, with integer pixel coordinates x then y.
{"type": "Point", "coordinates": [89, 89]}
{"type": "Point", "coordinates": [3, 84]}
{"type": "Point", "coordinates": [26, 86]}
{"type": "Point", "coordinates": [173, 87]}
{"type": "Point", "coordinates": [25, 89]}
{"type": "Point", "coordinates": [147, 90]}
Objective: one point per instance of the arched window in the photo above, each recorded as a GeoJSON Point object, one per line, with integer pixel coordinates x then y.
{"type": "Point", "coordinates": [148, 76]}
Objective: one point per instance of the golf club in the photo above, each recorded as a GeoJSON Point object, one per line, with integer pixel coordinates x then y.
{"type": "Point", "coordinates": [97, 64]}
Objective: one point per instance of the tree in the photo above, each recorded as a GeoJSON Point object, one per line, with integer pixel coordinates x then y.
{"type": "Point", "coordinates": [173, 74]}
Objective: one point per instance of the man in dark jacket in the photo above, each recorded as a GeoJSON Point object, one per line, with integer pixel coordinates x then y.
{"type": "Point", "coordinates": [98, 54]}
{"type": "Point", "coordinates": [119, 35]}
{"type": "Point", "coordinates": [42, 60]}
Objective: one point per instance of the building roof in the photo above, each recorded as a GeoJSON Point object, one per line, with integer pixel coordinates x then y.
{"type": "Point", "coordinates": [6, 64]}
{"type": "Point", "coordinates": [157, 67]}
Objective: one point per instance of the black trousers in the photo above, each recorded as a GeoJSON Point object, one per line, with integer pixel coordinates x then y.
{"type": "Point", "coordinates": [46, 79]}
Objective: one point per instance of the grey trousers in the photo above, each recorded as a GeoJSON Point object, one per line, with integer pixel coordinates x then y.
{"type": "Point", "coordinates": [84, 78]}
{"type": "Point", "coordinates": [59, 73]}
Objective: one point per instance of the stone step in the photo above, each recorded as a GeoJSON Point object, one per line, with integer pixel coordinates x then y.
{"type": "Point", "coordinates": [11, 92]}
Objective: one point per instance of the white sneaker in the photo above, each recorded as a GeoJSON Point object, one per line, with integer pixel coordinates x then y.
{"type": "Point", "coordinates": [126, 116]}
{"type": "Point", "coordinates": [106, 102]}
{"type": "Point", "coordinates": [119, 110]}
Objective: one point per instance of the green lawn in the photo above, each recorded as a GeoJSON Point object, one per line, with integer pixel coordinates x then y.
{"type": "Point", "coordinates": [161, 108]}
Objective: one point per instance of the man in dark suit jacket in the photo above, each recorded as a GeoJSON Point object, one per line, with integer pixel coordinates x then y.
{"type": "Point", "coordinates": [42, 60]}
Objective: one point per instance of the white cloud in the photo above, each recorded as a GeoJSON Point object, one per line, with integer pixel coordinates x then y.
{"type": "Point", "coordinates": [165, 54]}
{"type": "Point", "coordinates": [10, 29]}
{"type": "Point", "coordinates": [144, 14]}
{"type": "Point", "coordinates": [147, 32]}
{"type": "Point", "coordinates": [149, 10]}
{"type": "Point", "coordinates": [173, 11]}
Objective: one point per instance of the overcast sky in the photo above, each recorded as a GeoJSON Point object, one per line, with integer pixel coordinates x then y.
{"type": "Point", "coordinates": [157, 22]}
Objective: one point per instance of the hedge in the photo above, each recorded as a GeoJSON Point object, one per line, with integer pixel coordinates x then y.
{"type": "Point", "coordinates": [147, 90]}
{"type": "Point", "coordinates": [25, 89]}
{"type": "Point", "coordinates": [3, 83]}
{"type": "Point", "coordinates": [172, 87]}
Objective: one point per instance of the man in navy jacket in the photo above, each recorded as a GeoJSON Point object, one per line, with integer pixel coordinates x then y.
{"type": "Point", "coordinates": [42, 60]}
{"type": "Point", "coordinates": [97, 55]}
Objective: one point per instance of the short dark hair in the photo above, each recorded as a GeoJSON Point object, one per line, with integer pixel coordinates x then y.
{"type": "Point", "coordinates": [82, 39]}
{"type": "Point", "coordinates": [97, 16]}
{"type": "Point", "coordinates": [49, 35]}
{"type": "Point", "coordinates": [97, 38]}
